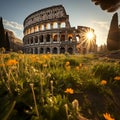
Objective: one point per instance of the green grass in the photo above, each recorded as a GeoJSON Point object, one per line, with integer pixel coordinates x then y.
{"type": "Point", "coordinates": [33, 87]}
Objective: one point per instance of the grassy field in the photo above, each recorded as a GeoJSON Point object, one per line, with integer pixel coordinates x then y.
{"type": "Point", "coordinates": [59, 87]}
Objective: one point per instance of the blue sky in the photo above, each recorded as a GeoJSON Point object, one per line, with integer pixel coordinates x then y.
{"type": "Point", "coordinates": [81, 13]}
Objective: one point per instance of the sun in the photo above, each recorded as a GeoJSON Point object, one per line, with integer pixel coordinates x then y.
{"type": "Point", "coordinates": [89, 35]}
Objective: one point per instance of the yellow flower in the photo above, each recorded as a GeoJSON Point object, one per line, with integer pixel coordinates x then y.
{"type": "Point", "coordinates": [117, 78]}
{"type": "Point", "coordinates": [11, 62]}
{"type": "Point", "coordinates": [77, 68]}
{"type": "Point", "coordinates": [69, 91]}
{"type": "Point", "coordinates": [67, 63]}
{"type": "Point", "coordinates": [108, 117]}
{"type": "Point", "coordinates": [80, 64]}
{"type": "Point", "coordinates": [103, 82]}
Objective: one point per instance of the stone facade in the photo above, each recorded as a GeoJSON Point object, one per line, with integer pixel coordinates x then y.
{"type": "Point", "coordinates": [48, 31]}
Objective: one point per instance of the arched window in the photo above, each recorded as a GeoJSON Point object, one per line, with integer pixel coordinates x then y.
{"type": "Point", "coordinates": [48, 26]}
{"type": "Point", "coordinates": [54, 51]}
{"type": "Point", "coordinates": [42, 27]}
{"type": "Point", "coordinates": [41, 50]}
{"type": "Point", "coordinates": [41, 38]}
{"type": "Point", "coordinates": [62, 37]}
{"type": "Point", "coordinates": [48, 50]}
{"type": "Point", "coordinates": [63, 25]}
{"type": "Point", "coordinates": [55, 25]}
{"type": "Point", "coordinates": [55, 38]}
{"type": "Point", "coordinates": [62, 50]}
{"type": "Point", "coordinates": [32, 40]}
{"type": "Point", "coordinates": [36, 51]}
{"type": "Point", "coordinates": [70, 50]}
{"type": "Point", "coordinates": [48, 38]}
{"type": "Point", "coordinates": [36, 39]}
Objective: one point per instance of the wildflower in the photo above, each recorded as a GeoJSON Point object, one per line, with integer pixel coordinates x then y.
{"type": "Point", "coordinates": [80, 64]}
{"type": "Point", "coordinates": [69, 91]}
{"type": "Point", "coordinates": [11, 62]}
{"type": "Point", "coordinates": [67, 68]}
{"type": "Point", "coordinates": [103, 82]}
{"type": "Point", "coordinates": [44, 65]}
{"type": "Point", "coordinates": [107, 116]}
{"type": "Point", "coordinates": [67, 63]}
{"type": "Point", "coordinates": [77, 68]}
{"type": "Point", "coordinates": [117, 78]}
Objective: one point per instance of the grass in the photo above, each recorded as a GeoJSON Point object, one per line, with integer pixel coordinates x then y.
{"type": "Point", "coordinates": [62, 87]}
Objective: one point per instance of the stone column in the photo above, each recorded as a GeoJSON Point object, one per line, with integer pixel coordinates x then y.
{"type": "Point", "coordinates": [66, 36]}
{"type": "Point", "coordinates": [51, 25]}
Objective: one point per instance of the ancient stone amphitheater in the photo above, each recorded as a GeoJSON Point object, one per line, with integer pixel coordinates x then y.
{"type": "Point", "coordinates": [49, 31]}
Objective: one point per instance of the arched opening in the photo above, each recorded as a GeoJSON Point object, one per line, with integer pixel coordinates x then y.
{"type": "Point", "coordinates": [41, 38]}
{"type": "Point", "coordinates": [48, 38]}
{"type": "Point", "coordinates": [47, 50]}
{"type": "Point", "coordinates": [78, 38]}
{"type": "Point", "coordinates": [62, 37]}
{"type": "Point", "coordinates": [32, 29]}
{"type": "Point", "coordinates": [36, 28]}
{"type": "Point", "coordinates": [32, 40]}
{"type": "Point", "coordinates": [36, 51]}
{"type": "Point", "coordinates": [31, 50]}
{"type": "Point", "coordinates": [48, 26]}
{"type": "Point", "coordinates": [62, 50]}
{"type": "Point", "coordinates": [36, 39]}
{"type": "Point", "coordinates": [41, 50]}
{"type": "Point", "coordinates": [54, 50]}
{"type": "Point", "coordinates": [42, 27]}
{"type": "Point", "coordinates": [70, 50]}
{"type": "Point", "coordinates": [70, 37]}
{"type": "Point", "coordinates": [55, 38]}
{"type": "Point", "coordinates": [55, 25]}
{"type": "Point", "coordinates": [63, 25]}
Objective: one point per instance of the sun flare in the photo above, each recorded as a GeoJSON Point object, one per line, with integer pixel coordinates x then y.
{"type": "Point", "coordinates": [89, 35]}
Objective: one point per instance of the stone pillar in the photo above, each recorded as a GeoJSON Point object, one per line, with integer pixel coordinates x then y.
{"type": "Point", "coordinates": [33, 51]}
{"type": "Point", "coordinates": [38, 50]}
{"type": "Point", "coordinates": [58, 48]}
{"type": "Point", "coordinates": [51, 25]}
{"type": "Point", "coordinates": [66, 36]}
{"type": "Point", "coordinates": [59, 25]}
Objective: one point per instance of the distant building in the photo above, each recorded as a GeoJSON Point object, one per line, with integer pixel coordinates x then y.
{"type": "Point", "coordinates": [48, 31]}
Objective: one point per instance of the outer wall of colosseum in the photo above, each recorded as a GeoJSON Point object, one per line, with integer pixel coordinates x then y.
{"type": "Point", "coordinates": [49, 31]}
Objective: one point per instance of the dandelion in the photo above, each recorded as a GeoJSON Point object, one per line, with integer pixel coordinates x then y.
{"type": "Point", "coordinates": [69, 91]}
{"type": "Point", "coordinates": [107, 116]}
{"type": "Point", "coordinates": [77, 68]}
{"type": "Point", "coordinates": [80, 64]}
{"type": "Point", "coordinates": [117, 78]}
{"type": "Point", "coordinates": [11, 62]}
{"type": "Point", "coordinates": [103, 82]}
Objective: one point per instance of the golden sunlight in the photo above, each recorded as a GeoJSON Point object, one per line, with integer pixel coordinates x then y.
{"type": "Point", "coordinates": [89, 35]}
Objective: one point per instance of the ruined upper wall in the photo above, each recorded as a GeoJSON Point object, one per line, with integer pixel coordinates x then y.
{"type": "Point", "coordinates": [47, 14]}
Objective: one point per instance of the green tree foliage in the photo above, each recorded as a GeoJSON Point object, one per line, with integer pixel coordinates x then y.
{"type": "Point", "coordinates": [113, 40]}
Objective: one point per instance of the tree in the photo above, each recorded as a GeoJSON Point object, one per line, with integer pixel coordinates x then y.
{"type": "Point", "coordinates": [7, 43]}
{"type": "Point", "coordinates": [113, 40]}
{"type": "Point", "coordinates": [2, 33]}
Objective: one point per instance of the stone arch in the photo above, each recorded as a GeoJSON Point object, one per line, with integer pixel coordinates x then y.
{"type": "Point", "coordinates": [62, 50]}
{"type": "Point", "coordinates": [48, 26]}
{"type": "Point", "coordinates": [55, 25]}
{"type": "Point", "coordinates": [70, 50]}
{"type": "Point", "coordinates": [31, 40]}
{"type": "Point", "coordinates": [42, 27]}
{"type": "Point", "coordinates": [41, 38]}
{"type": "Point", "coordinates": [55, 36]}
{"type": "Point", "coordinates": [70, 37]}
{"type": "Point", "coordinates": [36, 39]}
{"type": "Point", "coordinates": [32, 30]}
{"type": "Point", "coordinates": [55, 50]}
{"type": "Point", "coordinates": [36, 50]}
{"type": "Point", "coordinates": [31, 50]}
{"type": "Point", "coordinates": [48, 38]}
{"type": "Point", "coordinates": [63, 25]}
{"type": "Point", "coordinates": [41, 50]}
{"type": "Point", "coordinates": [77, 38]}
{"type": "Point", "coordinates": [47, 50]}
{"type": "Point", "coordinates": [36, 28]}
{"type": "Point", "coordinates": [62, 38]}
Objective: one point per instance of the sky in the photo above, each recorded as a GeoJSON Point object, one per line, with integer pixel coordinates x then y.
{"type": "Point", "coordinates": [81, 13]}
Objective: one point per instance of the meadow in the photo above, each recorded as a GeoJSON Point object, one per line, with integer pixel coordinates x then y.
{"type": "Point", "coordinates": [59, 87]}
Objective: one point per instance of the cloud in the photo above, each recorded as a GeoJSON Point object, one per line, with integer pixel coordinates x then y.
{"type": "Point", "coordinates": [13, 25]}
{"type": "Point", "coordinates": [16, 28]}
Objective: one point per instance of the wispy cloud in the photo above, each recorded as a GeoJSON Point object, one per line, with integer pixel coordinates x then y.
{"type": "Point", "coordinates": [12, 24]}
{"type": "Point", "coordinates": [16, 28]}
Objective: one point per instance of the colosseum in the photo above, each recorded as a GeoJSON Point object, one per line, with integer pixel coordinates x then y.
{"type": "Point", "coordinates": [49, 31]}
